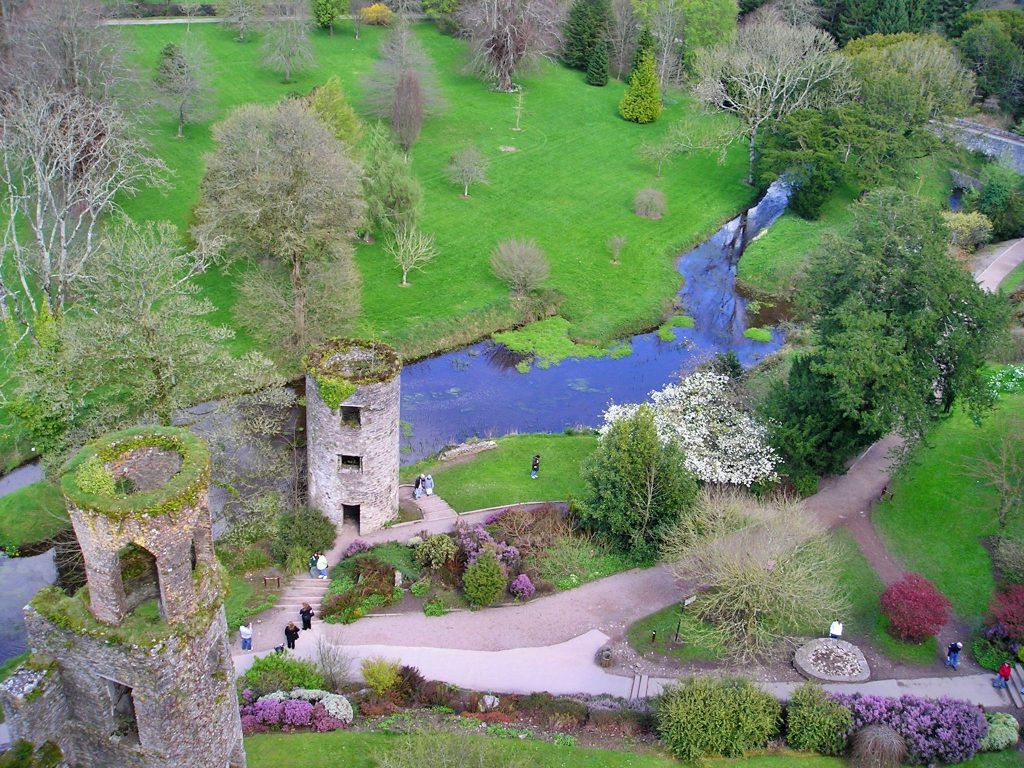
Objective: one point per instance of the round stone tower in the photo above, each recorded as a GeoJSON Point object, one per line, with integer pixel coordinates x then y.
{"type": "Point", "coordinates": [353, 392]}
{"type": "Point", "coordinates": [138, 670]}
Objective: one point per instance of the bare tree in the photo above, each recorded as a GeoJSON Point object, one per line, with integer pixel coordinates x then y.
{"type": "Point", "coordinates": [518, 108]}
{"type": "Point", "coordinates": [183, 83]}
{"type": "Point", "coordinates": [467, 166]}
{"type": "Point", "coordinates": [407, 111]}
{"type": "Point", "coordinates": [668, 27]}
{"type": "Point", "coordinates": [693, 133]}
{"type": "Point", "coordinates": [1000, 467]}
{"type": "Point", "coordinates": [280, 185]}
{"type": "Point", "coordinates": [615, 245]}
{"type": "Point", "coordinates": [355, 8]}
{"type": "Point", "coordinates": [190, 11]}
{"type": "Point", "coordinates": [243, 15]}
{"type": "Point", "coordinates": [521, 264]}
{"type": "Point", "coordinates": [63, 45]}
{"type": "Point", "coordinates": [411, 249]}
{"type": "Point", "coordinates": [769, 71]}
{"type": "Point", "coordinates": [65, 162]}
{"type": "Point", "coordinates": [766, 568]}
{"type": "Point", "coordinates": [506, 35]}
{"type": "Point", "coordinates": [286, 46]}
{"type": "Point", "coordinates": [622, 34]}
{"type": "Point", "coordinates": [333, 663]}
{"type": "Point", "coordinates": [796, 12]}
{"type": "Point", "coordinates": [401, 52]}
{"type": "Point", "coordinates": [658, 152]}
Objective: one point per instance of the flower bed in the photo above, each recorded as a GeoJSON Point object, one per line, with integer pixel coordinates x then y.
{"type": "Point", "coordinates": [301, 708]}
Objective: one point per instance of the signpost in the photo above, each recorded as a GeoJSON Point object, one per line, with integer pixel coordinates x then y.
{"type": "Point", "coordinates": [682, 607]}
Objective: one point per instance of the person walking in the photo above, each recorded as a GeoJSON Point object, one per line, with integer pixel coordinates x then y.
{"type": "Point", "coordinates": [417, 489]}
{"type": "Point", "coordinates": [312, 563]}
{"type": "Point", "coordinates": [245, 634]}
{"type": "Point", "coordinates": [428, 485]}
{"type": "Point", "coordinates": [535, 466]}
{"type": "Point", "coordinates": [953, 654]}
{"type": "Point", "coordinates": [291, 634]}
{"type": "Point", "coordinates": [1002, 676]}
{"type": "Point", "coordinates": [306, 614]}
{"type": "Point", "coordinates": [835, 631]}
{"type": "Point", "coordinates": [321, 565]}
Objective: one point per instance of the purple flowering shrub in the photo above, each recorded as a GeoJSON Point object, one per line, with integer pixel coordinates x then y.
{"type": "Point", "coordinates": [296, 713]}
{"type": "Point", "coordinates": [936, 730]}
{"type": "Point", "coordinates": [494, 517]}
{"type": "Point", "coordinates": [322, 721]}
{"type": "Point", "coordinates": [251, 725]}
{"type": "Point", "coordinates": [356, 547]}
{"type": "Point", "coordinates": [267, 711]}
{"type": "Point", "coordinates": [475, 540]}
{"type": "Point", "coordinates": [521, 587]}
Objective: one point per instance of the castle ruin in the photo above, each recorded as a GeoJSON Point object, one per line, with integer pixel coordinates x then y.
{"type": "Point", "coordinates": [134, 670]}
{"type": "Point", "coordinates": [353, 392]}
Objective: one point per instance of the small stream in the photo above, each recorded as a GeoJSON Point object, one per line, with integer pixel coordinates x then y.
{"type": "Point", "coordinates": [478, 392]}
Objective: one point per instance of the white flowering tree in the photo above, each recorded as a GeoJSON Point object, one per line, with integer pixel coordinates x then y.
{"type": "Point", "coordinates": [722, 442]}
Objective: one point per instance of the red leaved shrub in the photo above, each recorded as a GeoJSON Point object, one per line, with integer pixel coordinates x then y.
{"type": "Point", "coordinates": [915, 608]}
{"type": "Point", "coordinates": [1008, 609]}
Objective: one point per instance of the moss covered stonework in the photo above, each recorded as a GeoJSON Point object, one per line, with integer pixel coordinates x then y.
{"type": "Point", "coordinates": [137, 683]}
{"type": "Point", "coordinates": [353, 391]}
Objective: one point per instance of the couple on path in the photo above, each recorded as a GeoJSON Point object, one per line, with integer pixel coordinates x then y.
{"type": "Point", "coordinates": [423, 484]}
{"type": "Point", "coordinates": [318, 565]}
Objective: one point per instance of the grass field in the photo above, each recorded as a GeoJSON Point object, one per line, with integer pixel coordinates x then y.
{"type": "Point", "coordinates": [1013, 280]}
{"type": "Point", "coordinates": [502, 475]}
{"type": "Point", "coordinates": [939, 514]}
{"type": "Point", "coordinates": [31, 514]}
{"type": "Point", "coordinates": [569, 184]}
{"type": "Point", "coordinates": [358, 750]}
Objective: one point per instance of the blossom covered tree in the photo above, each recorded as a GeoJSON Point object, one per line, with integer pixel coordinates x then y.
{"type": "Point", "coordinates": [722, 442]}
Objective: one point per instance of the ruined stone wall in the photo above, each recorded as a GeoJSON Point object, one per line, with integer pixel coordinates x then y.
{"type": "Point", "coordinates": [374, 487]}
{"type": "Point", "coordinates": [34, 705]}
{"type": "Point", "coordinates": [183, 690]}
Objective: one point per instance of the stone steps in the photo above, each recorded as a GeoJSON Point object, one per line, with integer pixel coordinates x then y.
{"type": "Point", "coordinates": [1013, 688]}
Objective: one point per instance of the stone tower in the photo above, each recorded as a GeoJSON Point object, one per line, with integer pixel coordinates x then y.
{"type": "Point", "coordinates": [135, 670]}
{"type": "Point", "coordinates": [353, 389]}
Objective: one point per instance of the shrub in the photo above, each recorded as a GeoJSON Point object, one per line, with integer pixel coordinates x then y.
{"type": "Point", "coordinates": [705, 716]}
{"type": "Point", "coordinates": [484, 582]}
{"type": "Point", "coordinates": [410, 684]}
{"type": "Point", "coordinates": [520, 264]}
{"type": "Point", "coordinates": [306, 528]}
{"type": "Point", "coordinates": [521, 587]}
{"type": "Point", "coordinates": [968, 229]}
{"type": "Point", "coordinates": [915, 608]}
{"type": "Point", "coordinates": [296, 713]}
{"type": "Point", "coordinates": [436, 550]}
{"type": "Point", "coordinates": [381, 675]}
{"type": "Point", "coordinates": [321, 720]}
{"type": "Point", "coordinates": [435, 607]}
{"type": "Point", "coordinates": [642, 101]}
{"type": "Point", "coordinates": [94, 477]}
{"type": "Point", "coordinates": [935, 730]}
{"type": "Point", "coordinates": [988, 654]}
{"type": "Point", "coordinates": [1008, 609]}
{"type": "Point", "coordinates": [280, 672]}
{"type": "Point", "coordinates": [815, 722]}
{"type": "Point", "coordinates": [597, 68]}
{"type": "Point", "coordinates": [554, 714]}
{"type": "Point", "coordinates": [1009, 559]}
{"type": "Point", "coordinates": [1002, 732]}
{"type": "Point", "coordinates": [420, 588]}
{"type": "Point", "coordinates": [377, 14]}
{"type": "Point", "coordinates": [877, 746]}
{"type": "Point", "coordinates": [356, 547]}
{"type": "Point", "coordinates": [649, 204]}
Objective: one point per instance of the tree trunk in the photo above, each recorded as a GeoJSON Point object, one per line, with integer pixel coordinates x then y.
{"type": "Point", "coordinates": [465, 190]}
{"type": "Point", "coordinates": [505, 81]}
{"type": "Point", "coordinates": [181, 122]}
{"type": "Point", "coordinates": [405, 274]}
{"type": "Point", "coordinates": [751, 156]}
{"type": "Point", "coordinates": [299, 303]}
{"type": "Point", "coordinates": [288, 72]}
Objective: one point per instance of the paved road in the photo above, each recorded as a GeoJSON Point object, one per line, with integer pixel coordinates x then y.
{"type": "Point", "coordinates": [998, 261]}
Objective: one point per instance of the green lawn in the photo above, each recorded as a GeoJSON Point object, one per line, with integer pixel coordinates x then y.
{"type": "Point", "coordinates": [355, 749]}
{"type": "Point", "coordinates": [502, 475]}
{"type": "Point", "coordinates": [1013, 280]}
{"type": "Point", "coordinates": [31, 514]}
{"type": "Point", "coordinates": [574, 162]}
{"type": "Point", "coordinates": [939, 514]}
{"type": "Point", "coordinates": [694, 644]}
{"type": "Point", "coordinates": [245, 598]}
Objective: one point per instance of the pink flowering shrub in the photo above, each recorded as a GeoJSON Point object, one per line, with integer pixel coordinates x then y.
{"type": "Point", "coordinates": [296, 713]}
{"type": "Point", "coordinates": [521, 587]}
{"type": "Point", "coordinates": [356, 547]}
{"type": "Point", "coordinates": [251, 725]}
{"type": "Point", "coordinates": [322, 721]}
{"type": "Point", "coordinates": [268, 711]}
{"type": "Point", "coordinates": [936, 730]}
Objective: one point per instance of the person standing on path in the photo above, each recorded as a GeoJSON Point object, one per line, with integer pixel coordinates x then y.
{"type": "Point", "coordinates": [417, 489]}
{"type": "Point", "coordinates": [321, 565]}
{"type": "Point", "coordinates": [953, 654]}
{"type": "Point", "coordinates": [291, 634]}
{"type": "Point", "coordinates": [835, 631]}
{"type": "Point", "coordinates": [428, 485]}
{"type": "Point", "coordinates": [312, 563]}
{"type": "Point", "coordinates": [535, 467]}
{"type": "Point", "coordinates": [1002, 676]}
{"type": "Point", "coordinates": [306, 614]}
{"type": "Point", "coordinates": [245, 634]}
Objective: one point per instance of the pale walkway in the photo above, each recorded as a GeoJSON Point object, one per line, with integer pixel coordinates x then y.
{"type": "Point", "coordinates": [997, 261]}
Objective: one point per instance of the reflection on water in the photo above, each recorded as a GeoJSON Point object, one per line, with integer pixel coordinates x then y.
{"type": "Point", "coordinates": [477, 391]}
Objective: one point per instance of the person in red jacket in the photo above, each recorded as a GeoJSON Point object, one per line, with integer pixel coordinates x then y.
{"type": "Point", "coordinates": [1002, 676]}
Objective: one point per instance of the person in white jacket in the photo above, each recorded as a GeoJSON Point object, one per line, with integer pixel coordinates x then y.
{"type": "Point", "coordinates": [321, 565]}
{"type": "Point", "coordinates": [245, 633]}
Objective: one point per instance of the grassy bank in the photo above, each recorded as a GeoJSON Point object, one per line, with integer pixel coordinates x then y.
{"type": "Point", "coordinates": [502, 475]}
{"type": "Point", "coordinates": [31, 514]}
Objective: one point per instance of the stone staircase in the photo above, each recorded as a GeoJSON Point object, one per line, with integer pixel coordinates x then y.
{"type": "Point", "coordinates": [1013, 688]}
{"type": "Point", "coordinates": [302, 589]}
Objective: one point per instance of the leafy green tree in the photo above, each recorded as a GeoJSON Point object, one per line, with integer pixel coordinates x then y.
{"type": "Point", "coordinates": [597, 70]}
{"type": "Point", "coordinates": [856, 18]}
{"type": "Point", "coordinates": [183, 83]}
{"type": "Point", "coordinates": [995, 59]}
{"type": "Point", "coordinates": [642, 101]}
{"type": "Point", "coordinates": [707, 23]}
{"type": "Point", "coordinates": [1001, 198]}
{"type": "Point", "coordinates": [901, 330]}
{"type": "Point", "coordinates": [645, 43]}
{"type": "Point", "coordinates": [637, 486]}
{"type": "Point", "coordinates": [891, 17]}
{"type": "Point", "coordinates": [484, 581]}
{"type": "Point", "coordinates": [392, 193]}
{"type": "Point", "coordinates": [585, 30]}
{"type": "Point", "coordinates": [330, 105]}
{"type": "Point", "coordinates": [326, 13]}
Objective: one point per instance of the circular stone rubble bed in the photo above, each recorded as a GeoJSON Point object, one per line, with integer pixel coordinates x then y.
{"type": "Point", "coordinates": [835, 661]}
